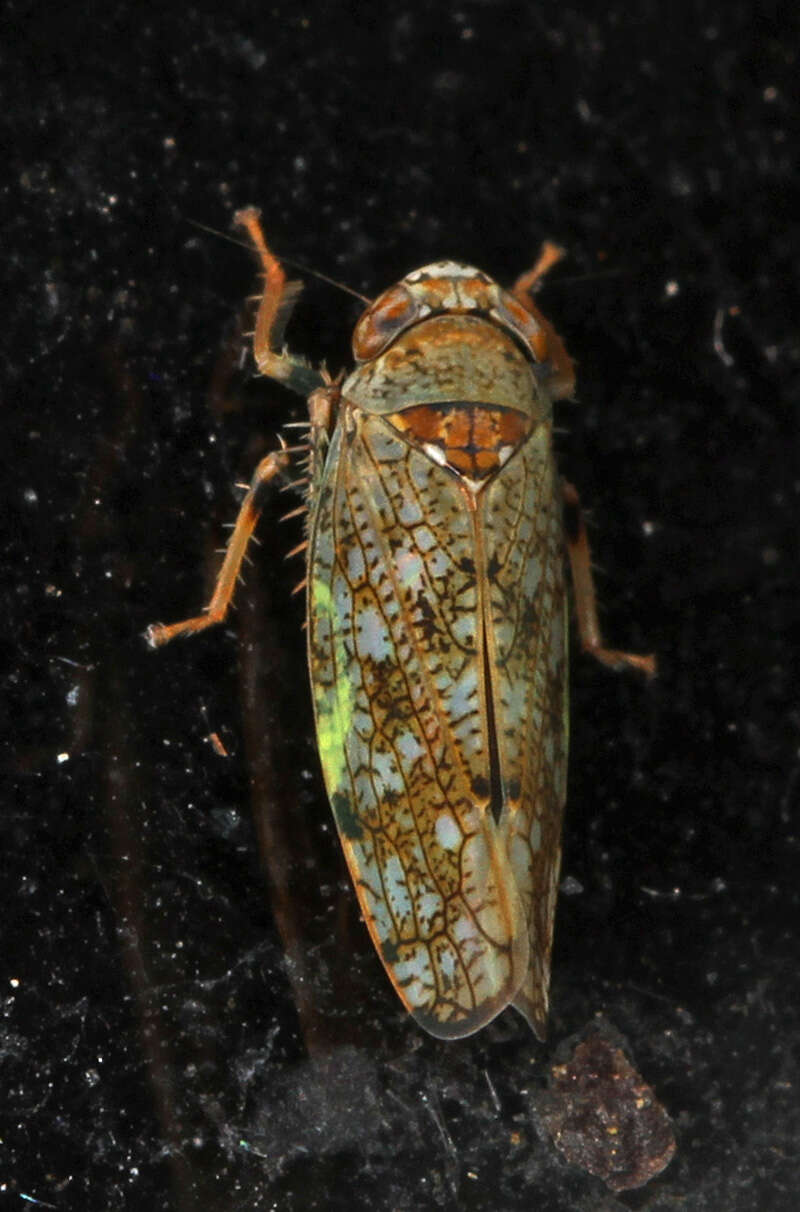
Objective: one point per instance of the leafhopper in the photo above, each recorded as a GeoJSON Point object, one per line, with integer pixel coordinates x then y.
{"type": "Point", "coordinates": [437, 624]}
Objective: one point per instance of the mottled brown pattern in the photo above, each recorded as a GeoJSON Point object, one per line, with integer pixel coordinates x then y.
{"type": "Point", "coordinates": [395, 631]}
{"type": "Point", "coordinates": [528, 654]}
{"type": "Point", "coordinates": [410, 574]}
{"type": "Point", "coordinates": [441, 360]}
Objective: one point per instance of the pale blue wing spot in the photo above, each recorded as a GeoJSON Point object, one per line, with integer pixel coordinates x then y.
{"type": "Point", "coordinates": [420, 474]}
{"type": "Point", "coordinates": [409, 568]}
{"type": "Point", "coordinates": [463, 627]}
{"type": "Point", "coordinates": [424, 538]}
{"type": "Point", "coordinates": [363, 724]}
{"type": "Point", "coordinates": [396, 885]}
{"type": "Point", "coordinates": [356, 569]}
{"type": "Point", "coordinates": [341, 600]}
{"type": "Point", "coordinates": [385, 773]}
{"type": "Point", "coordinates": [429, 907]}
{"type": "Point", "coordinates": [464, 696]}
{"type": "Point", "coordinates": [438, 564]}
{"type": "Point", "coordinates": [447, 964]}
{"type": "Point", "coordinates": [409, 747]}
{"type": "Point", "coordinates": [410, 512]}
{"type": "Point", "coordinates": [448, 834]}
{"type": "Point", "coordinates": [323, 544]}
{"type": "Point", "coordinates": [372, 635]}
{"type": "Point", "coordinates": [416, 978]}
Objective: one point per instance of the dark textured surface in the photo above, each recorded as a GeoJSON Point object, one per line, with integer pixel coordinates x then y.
{"type": "Point", "coordinates": [601, 1115]}
{"type": "Point", "coordinates": [192, 1016]}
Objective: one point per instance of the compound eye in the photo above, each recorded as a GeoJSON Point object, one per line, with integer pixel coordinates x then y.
{"type": "Point", "coordinates": [516, 317]}
{"type": "Point", "coordinates": [382, 322]}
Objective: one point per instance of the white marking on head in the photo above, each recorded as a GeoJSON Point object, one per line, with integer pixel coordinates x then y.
{"type": "Point", "coordinates": [445, 269]}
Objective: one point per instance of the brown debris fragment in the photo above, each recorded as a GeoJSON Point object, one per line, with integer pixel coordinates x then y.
{"type": "Point", "coordinates": [604, 1118]}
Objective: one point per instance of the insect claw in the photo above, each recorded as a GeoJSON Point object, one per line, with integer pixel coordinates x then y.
{"type": "Point", "coordinates": [300, 586]}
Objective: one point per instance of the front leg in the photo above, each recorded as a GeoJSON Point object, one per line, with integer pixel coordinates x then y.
{"type": "Point", "coordinates": [552, 351]}
{"type": "Point", "coordinates": [274, 309]}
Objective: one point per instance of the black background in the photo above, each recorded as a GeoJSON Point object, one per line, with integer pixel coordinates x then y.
{"type": "Point", "coordinates": [192, 1014]}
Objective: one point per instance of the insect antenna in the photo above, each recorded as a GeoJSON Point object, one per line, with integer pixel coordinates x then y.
{"type": "Point", "coordinates": [590, 276]}
{"type": "Point", "coordinates": [304, 269]}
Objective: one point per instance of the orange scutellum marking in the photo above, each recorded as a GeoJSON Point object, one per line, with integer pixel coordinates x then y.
{"type": "Point", "coordinates": [473, 440]}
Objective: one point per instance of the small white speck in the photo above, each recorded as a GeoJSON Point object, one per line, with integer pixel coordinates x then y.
{"type": "Point", "coordinates": [62, 757]}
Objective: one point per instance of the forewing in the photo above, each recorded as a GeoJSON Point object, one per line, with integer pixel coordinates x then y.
{"type": "Point", "coordinates": [527, 638]}
{"type": "Point", "coordinates": [395, 650]}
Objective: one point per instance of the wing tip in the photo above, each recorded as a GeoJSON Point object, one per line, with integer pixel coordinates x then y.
{"type": "Point", "coordinates": [534, 1013]}
{"type": "Point", "coordinates": [459, 1026]}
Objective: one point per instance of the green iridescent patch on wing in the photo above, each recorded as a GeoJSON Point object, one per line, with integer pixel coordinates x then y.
{"type": "Point", "coordinates": [334, 701]}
